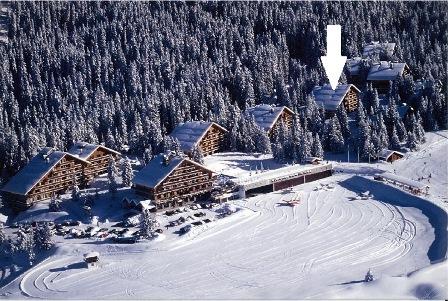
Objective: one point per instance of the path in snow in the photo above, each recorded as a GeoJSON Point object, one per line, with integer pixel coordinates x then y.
{"type": "Point", "coordinates": [274, 252]}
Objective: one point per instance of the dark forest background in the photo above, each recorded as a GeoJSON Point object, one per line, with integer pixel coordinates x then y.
{"type": "Point", "coordinates": [127, 73]}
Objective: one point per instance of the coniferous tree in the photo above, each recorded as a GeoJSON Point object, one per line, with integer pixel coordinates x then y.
{"type": "Point", "coordinates": [316, 149]}
{"type": "Point", "coordinates": [197, 155]}
{"type": "Point", "coordinates": [126, 173]}
{"type": "Point", "coordinates": [112, 174]}
{"type": "Point", "coordinates": [394, 142]}
{"type": "Point", "coordinates": [334, 138]}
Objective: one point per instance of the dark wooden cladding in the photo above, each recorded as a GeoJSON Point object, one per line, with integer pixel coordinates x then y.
{"type": "Point", "coordinates": [351, 100]}
{"type": "Point", "coordinates": [56, 181]}
{"type": "Point", "coordinates": [99, 162]}
{"type": "Point", "coordinates": [186, 183]}
{"type": "Point", "coordinates": [285, 117]}
{"type": "Point", "coordinates": [213, 140]}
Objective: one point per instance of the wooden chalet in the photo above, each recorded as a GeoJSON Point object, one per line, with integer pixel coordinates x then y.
{"type": "Point", "coordinates": [48, 173]}
{"type": "Point", "coordinates": [208, 136]}
{"type": "Point", "coordinates": [382, 73]}
{"type": "Point", "coordinates": [171, 181]}
{"type": "Point", "coordinates": [97, 155]}
{"type": "Point", "coordinates": [270, 117]}
{"type": "Point", "coordinates": [330, 99]}
{"type": "Point", "coordinates": [390, 155]}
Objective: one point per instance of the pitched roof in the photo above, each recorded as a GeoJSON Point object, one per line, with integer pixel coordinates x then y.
{"type": "Point", "coordinates": [386, 153]}
{"type": "Point", "coordinates": [190, 133]}
{"type": "Point", "coordinates": [84, 150]}
{"type": "Point", "coordinates": [354, 65]}
{"type": "Point", "coordinates": [160, 167]}
{"type": "Point", "coordinates": [266, 115]}
{"type": "Point", "coordinates": [376, 47]}
{"type": "Point", "coordinates": [39, 166]}
{"type": "Point", "coordinates": [386, 70]}
{"type": "Point", "coordinates": [331, 99]}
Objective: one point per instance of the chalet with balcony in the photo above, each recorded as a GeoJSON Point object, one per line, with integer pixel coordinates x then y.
{"type": "Point", "coordinates": [270, 117]}
{"type": "Point", "coordinates": [172, 181]}
{"type": "Point", "coordinates": [345, 94]}
{"type": "Point", "coordinates": [97, 155]}
{"type": "Point", "coordinates": [208, 136]}
{"type": "Point", "coordinates": [48, 173]}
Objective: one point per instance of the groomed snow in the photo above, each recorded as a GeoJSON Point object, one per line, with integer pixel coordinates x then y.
{"type": "Point", "coordinates": [265, 250]}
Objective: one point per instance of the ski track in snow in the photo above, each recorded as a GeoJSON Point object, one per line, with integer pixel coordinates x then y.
{"type": "Point", "coordinates": [275, 246]}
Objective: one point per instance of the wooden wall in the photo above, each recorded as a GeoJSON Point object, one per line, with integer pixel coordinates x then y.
{"type": "Point", "coordinates": [187, 183]}
{"type": "Point", "coordinates": [351, 100]}
{"type": "Point", "coordinates": [213, 140]}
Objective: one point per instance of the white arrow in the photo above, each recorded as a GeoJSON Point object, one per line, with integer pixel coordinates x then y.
{"type": "Point", "coordinates": [333, 62]}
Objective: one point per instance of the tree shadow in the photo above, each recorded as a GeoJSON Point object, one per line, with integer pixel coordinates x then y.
{"type": "Point", "coordinates": [350, 282]}
{"type": "Point", "coordinates": [73, 266]}
{"type": "Point", "coordinates": [437, 217]}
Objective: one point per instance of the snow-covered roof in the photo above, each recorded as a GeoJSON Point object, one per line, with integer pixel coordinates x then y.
{"type": "Point", "coordinates": [84, 150]}
{"type": "Point", "coordinates": [331, 99]}
{"type": "Point", "coordinates": [354, 65]}
{"type": "Point", "coordinates": [271, 176]}
{"type": "Point", "coordinates": [190, 133]}
{"type": "Point", "coordinates": [376, 47]}
{"type": "Point", "coordinates": [91, 255]}
{"type": "Point", "coordinates": [146, 204]}
{"type": "Point", "coordinates": [160, 167]}
{"type": "Point", "coordinates": [403, 180]}
{"type": "Point", "coordinates": [38, 167]}
{"type": "Point", "coordinates": [313, 159]}
{"type": "Point", "coordinates": [386, 70]}
{"type": "Point", "coordinates": [386, 153]}
{"type": "Point", "coordinates": [266, 115]}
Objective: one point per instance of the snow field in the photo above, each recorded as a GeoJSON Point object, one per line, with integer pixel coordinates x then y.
{"type": "Point", "coordinates": [266, 250]}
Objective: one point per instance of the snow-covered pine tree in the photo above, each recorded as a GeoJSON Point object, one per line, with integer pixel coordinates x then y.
{"type": "Point", "coordinates": [334, 138]}
{"type": "Point", "coordinates": [411, 142]}
{"type": "Point", "coordinates": [149, 224]}
{"type": "Point", "coordinates": [147, 155]}
{"type": "Point", "coordinates": [25, 243]}
{"type": "Point", "coordinates": [43, 237]}
{"type": "Point", "coordinates": [126, 172]}
{"type": "Point", "coordinates": [76, 192]}
{"type": "Point", "coordinates": [316, 148]}
{"type": "Point", "coordinates": [197, 155]}
{"type": "Point", "coordinates": [55, 204]}
{"type": "Point", "coordinates": [343, 121]}
{"type": "Point", "coordinates": [394, 142]}
{"type": "Point", "coordinates": [369, 276]}
{"type": "Point", "coordinates": [112, 174]}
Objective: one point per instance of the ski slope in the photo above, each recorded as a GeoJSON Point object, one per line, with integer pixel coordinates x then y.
{"type": "Point", "coordinates": [266, 250]}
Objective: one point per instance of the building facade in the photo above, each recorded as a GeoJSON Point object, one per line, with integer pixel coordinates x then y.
{"type": "Point", "coordinates": [172, 181]}
{"type": "Point", "coordinates": [344, 94]}
{"type": "Point", "coordinates": [48, 173]}
{"type": "Point", "coordinates": [270, 117]}
{"type": "Point", "coordinates": [208, 136]}
{"type": "Point", "coordinates": [97, 155]}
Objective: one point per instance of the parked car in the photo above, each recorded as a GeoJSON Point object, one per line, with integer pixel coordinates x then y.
{"type": "Point", "coordinates": [199, 214]}
{"type": "Point", "coordinates": [169, 212]}
{"type": "Point", "coordinates": [194, 207]}
{"type": "Point", "coordinates": [159, 231]}
{"type": "Point", "coordinates": [185, 229]}
{"type": "Point", "coordinates": [207, 220]}
{"type": "Point", "coordinates": [198, 223]}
